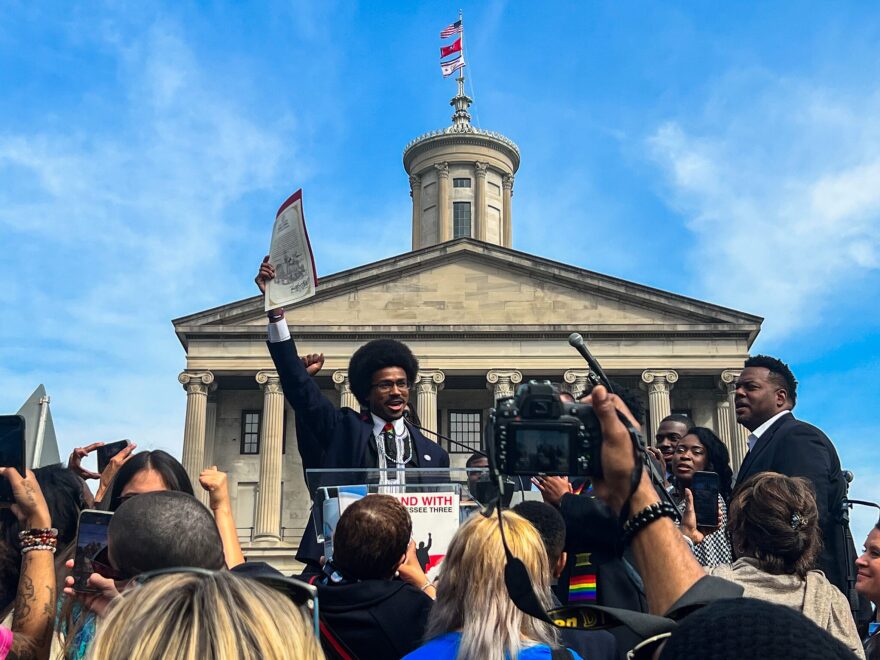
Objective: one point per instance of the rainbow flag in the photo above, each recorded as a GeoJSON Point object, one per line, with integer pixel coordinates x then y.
{"type": "Point", "coordinates": [582, 588]}
{"type": "Point", "coordinates": [582, 583]}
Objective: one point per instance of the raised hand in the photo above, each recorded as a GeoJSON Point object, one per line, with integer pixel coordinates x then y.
{"type": "Point", "coordinates": [112, 468]}
{"type": "Point", "coordinates": [214, 481]}
{"type": "Point", "coordinates": [619, 458]}
{"type": "Point", "coordinates": [313, 362]}
{"type": "Point", "coordinates": [30, 506]}
{"type": "Point", "coordinates": [74, 463]}
{"type": "Point", "coordinates": [266, 273]}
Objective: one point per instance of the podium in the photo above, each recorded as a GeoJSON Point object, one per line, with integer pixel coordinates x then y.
{"type": "Point", "coordinates": [432, 496]}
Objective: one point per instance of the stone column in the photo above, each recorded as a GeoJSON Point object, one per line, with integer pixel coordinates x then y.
{"type": "Point", "coordinates": [507, 186]}
{"type": "Point", "coordinates": [196, 384]}
{"type": "Point", "coordinates": [444, 215]}
{"type": "Point", "coordinates": [737, 439]}
{"type": "Point", "coordinates": [659, 383]}
{"type": "Point", "coordinates": [480, 230]}
{"type": "Point", "coordinates": [267, 523]}
{"type": "Point", "coordinates": [347, 399]}
{"type": "Point", "coordinates": [210, 432]}
{"type": "Point", "coordinates": [428, 383]}
{"type": "Point", "coordinates": [415, 191]}
{"type": "Point", "coordinates": [503, 382]}
{"type": "Point", "coordinates": [576, 381]}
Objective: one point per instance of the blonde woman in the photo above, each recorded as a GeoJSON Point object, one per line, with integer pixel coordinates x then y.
{"type": "Point", "coordinates": [473, 616]}
{"type": "Point", "coordinates": [199, 616]}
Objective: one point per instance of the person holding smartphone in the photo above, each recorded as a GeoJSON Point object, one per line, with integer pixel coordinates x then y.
{"type": "Point", "coordinates": [698, 453]}
{"type": "Point", "coordinates": [34, 608]}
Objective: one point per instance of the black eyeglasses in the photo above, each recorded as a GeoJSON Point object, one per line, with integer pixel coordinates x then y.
{"type": "Point", "coordinates": [385, 386]}
{"type": "Point", "coordinates": [303, 594]}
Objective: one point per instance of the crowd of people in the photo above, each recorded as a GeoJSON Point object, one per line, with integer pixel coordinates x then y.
{"type": "Point", "coordinates": [600, 568]}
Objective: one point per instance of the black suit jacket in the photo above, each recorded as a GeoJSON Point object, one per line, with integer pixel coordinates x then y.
{"type": "Point", "coordinates": [334, 437]}
{"type": "Point", "coordinates": [797, 449]}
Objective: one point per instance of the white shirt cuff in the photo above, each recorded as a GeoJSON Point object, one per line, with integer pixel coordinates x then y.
{"type": "Point", "coordinates": [278, 331]}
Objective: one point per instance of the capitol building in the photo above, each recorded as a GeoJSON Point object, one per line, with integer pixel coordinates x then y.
{"type": "Point", "coordinates": [480, 316]}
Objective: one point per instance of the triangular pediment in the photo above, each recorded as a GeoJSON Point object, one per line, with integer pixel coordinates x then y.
{"type": "Point", "coordinates": [469, 284]}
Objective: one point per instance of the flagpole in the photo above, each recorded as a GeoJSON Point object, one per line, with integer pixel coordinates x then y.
{"type": "Point", "coordinates": [464, 61]}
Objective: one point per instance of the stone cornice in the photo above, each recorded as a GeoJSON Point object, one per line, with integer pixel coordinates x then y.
{"type": "Point", "coordinates": [449, 136]}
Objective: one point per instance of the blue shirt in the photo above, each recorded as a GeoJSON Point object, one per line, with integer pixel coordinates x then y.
{"type": "Point", "coordinates": [445, 647]}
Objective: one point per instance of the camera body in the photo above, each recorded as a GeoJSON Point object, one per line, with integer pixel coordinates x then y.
{"type": "Point", "coordinates": [534, 432]}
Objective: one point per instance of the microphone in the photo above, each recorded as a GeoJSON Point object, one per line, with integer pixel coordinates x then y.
{"type": "Point", "coordinates": [576, 341]}
{"type": "Point", "coordinates": [406, 416]}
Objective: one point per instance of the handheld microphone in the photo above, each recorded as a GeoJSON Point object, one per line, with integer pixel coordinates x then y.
{"type": "Point", "coordinates": [443, 437]}
{"type": "Point", "coordinates": [576, 341]}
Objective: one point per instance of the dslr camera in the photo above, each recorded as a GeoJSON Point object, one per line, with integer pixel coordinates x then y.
{"type": "Point", "coordinates": [534, 432]}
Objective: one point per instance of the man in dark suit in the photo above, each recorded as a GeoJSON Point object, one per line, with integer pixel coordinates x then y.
{"type": "Point", "coordinates": [766, 392]}
{"type": "Point", "coordinates": [381, 374]}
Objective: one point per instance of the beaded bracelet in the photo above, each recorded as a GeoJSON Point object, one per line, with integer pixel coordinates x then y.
{"type": "Point", "coordinates": [46, 537]}
{"type": "Point", "coordinates": [27, 549]}
{"type": "Point", "coordinates": [644, 518]}
{"type": "Point", "coordinates": [38, 531]}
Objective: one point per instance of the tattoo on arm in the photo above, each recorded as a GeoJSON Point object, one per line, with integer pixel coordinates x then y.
{"type": "Point", "coordinates": [23, 601]}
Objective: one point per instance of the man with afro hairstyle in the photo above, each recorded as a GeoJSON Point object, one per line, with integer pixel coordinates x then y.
{"type": "Point", "coordinates": [381, 374]}
{"type": "Point", "coordinates": [766, 393]}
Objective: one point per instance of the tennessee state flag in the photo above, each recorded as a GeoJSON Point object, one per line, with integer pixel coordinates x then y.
{"type": "Point", "coordinates": [454, 47]}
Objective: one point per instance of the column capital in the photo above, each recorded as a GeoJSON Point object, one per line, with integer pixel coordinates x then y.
{"type": "Point", "coordinates": [503, 382]}
{"type": "Point", "coordinates": [269, 382]}
{"type": "Point", "coordinates": [196, 382]}
{"type": "Point", "coordinates": [576, 379]}
{"type": "Point", "coordinates": [480, 169]}
{"type": "Point", "coordinates": [430, 378]}
{"type": "Point", "coordinates": [572, 376]}
{"type": "Point", "coordinates": [495, 376]}
{"type": "Point", "coordinates": [507, 182]}
{"type": "Point", "coordinates": [340, 378]}
{"type": "Point", "coordinates": [659, 378]}
{"type": "Point", "coordinates": [442, 170]}
{"type": "Point", "coordinates": [727, 378]}
{"type": "Point", "coordinates": [415, 182]}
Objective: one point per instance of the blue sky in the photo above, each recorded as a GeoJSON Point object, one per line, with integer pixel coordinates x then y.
{"type": "Point", "coordinates": [726, 152]}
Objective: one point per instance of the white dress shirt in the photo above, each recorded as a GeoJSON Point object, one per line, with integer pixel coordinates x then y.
{"type": "Point", "coordinates": [278, 331]}
{"type": "Point", "coordinates": [755, 435]}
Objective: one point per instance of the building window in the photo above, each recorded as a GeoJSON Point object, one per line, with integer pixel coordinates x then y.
{"type": "Point", "coordinates": [250, 431]}
{"type": "Point", "coordinates": [461, 183]}
{"type": "Point", "coordinates": [466, 427]}
{"type": "Point", "coordinates": [461, 219]}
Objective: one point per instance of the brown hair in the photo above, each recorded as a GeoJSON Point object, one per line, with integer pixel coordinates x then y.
{"type": "Point", "coordinates": [773, 519]}
{"type": "Point", "coordinates": [371, 538]}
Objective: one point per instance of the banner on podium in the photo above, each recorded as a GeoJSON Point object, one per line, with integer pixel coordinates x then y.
{"type": "Point", "coordinates": [434, 515]}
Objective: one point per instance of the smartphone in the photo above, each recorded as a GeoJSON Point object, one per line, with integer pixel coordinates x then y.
{"type": "Point", "coordinates": [705, 487]}
{"type": "Point", "coordinates": [108, 451]}
{"type": "Point", "coordinates": [12, 451]}
{"type": "Point", "coordinates": [91, 548]}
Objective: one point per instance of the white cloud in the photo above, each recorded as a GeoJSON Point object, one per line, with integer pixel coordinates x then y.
{"type": "Point", "coordinates": [121, 228]}
{"type": "Point", "coordinates": [780, 183]}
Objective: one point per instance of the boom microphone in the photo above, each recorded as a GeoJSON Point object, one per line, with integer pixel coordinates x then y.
{"type": "Point", "coordinates": [577, 342]}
